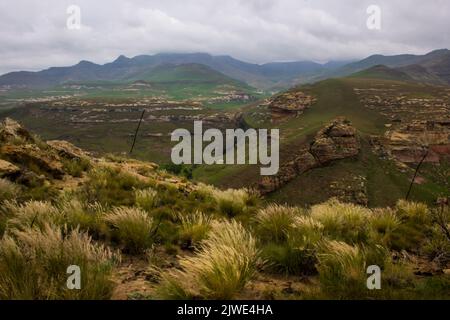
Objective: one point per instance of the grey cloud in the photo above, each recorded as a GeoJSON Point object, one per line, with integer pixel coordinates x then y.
{"type": "Point", "coordinates": [33, 34]}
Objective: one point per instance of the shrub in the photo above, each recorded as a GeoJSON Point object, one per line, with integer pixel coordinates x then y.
{"type": "Point", "coordinates": [146, 199]}
{"type": "Point", "coordinates": [33, 265]}
{"type": "Point", "coordinates": [341, 221]}
{"type": "Point", "coordinates": [8, 190]}
{"type": "Point", "coordinates": [194, 228]}
{"type": "Point", "coordinates": [223, 265]}
{"type": "Point", "coordinates": [131, 227]}
{"type": "Point", "coordinates": [274, 222]}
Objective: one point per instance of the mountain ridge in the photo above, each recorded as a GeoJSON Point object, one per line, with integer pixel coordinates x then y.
{"type": "Point", "coordinates": [432, 67]}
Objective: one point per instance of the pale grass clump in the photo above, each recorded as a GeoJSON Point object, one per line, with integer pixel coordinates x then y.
{"type": "Point", "coordinates": [8, 190]}
{"type": "Point", "coordinates": [307, 228]}
{"type": "Point", "coordinates": [297, 253]}
{"type": "Point", "coordinates": [342, 267]}
{"type": "Point", "coordinates": [33, 265]}
{"type": "Point", "coordinates": [194, 228]}
{"type": "Point", "coordinates": [205, 190]}
{"type": "Point", "coordinates": [146, 199]}
{"type": "Point", "coordinates": [132, 227]}
{"type": "Point", "coordinates": [32, 214]}
{"type": "Point", "coordinates": [83, 216]}
{"type": "Point", "coordinates": [384, 223]}
{"type": "Point", "coordinates": [274, 222]}
{"type": "Point", "coordinates": [232, 202]}
{"type": "Point", "coordinates": [222, 266]}
{"type": "Point", "coordinates": [343, 221]}
{"type": "Point", "coordinates": [415, 211]}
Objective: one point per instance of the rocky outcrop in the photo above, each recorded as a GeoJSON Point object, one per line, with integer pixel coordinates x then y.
{"type": "Point", "coordinates": [338, 140]}
{"type": "Point", "coordinates": [31, 156]}
{"type": "Point", "coordinates": [7, 169]}
{"type": "Point", "coordinates": [290, 103]}
{"type": "Point", "coordinates": [409, 143]}
{"type": "Point", "coordinates": [11, 131]}
{"type": "Point", "coordinates": [24, 158]}
{"type": "Point", "coordinates": [67, 150]}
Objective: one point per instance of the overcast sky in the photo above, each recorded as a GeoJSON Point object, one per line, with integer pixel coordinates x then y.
{"type": "Point", "coordinates": [34, 35]}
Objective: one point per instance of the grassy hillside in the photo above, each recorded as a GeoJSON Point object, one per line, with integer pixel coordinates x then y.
{"type": "Point", "coordinates": [137, 232]}
{"type": "Point", "coordinates": [335, 97]}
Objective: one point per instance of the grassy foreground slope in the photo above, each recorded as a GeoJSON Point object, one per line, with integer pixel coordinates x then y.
{"type": "Point", "coordinates": [137, 232]}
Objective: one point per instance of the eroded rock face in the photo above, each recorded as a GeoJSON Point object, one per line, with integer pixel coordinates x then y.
{"type": "Point", "coordinates": [31, 156]}
{"type": "Point", "coordinates": [11, 131]}
{"type": "Point", "coordinates": [290, 103]}
{"type": "Point", "coordinates": [67, 150]}
{"type": "Point", "coordinates": [7, 169]}
{"type": "Point", "coordinates": [338, 140]}
{"type": "Point", "coordinates": [409, 143]}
